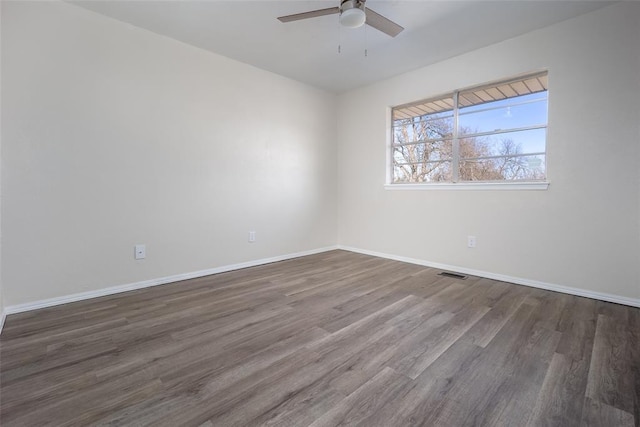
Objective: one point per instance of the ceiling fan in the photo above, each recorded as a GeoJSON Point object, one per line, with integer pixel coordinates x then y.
{"type": "Point", "coordinates": [353, 14]}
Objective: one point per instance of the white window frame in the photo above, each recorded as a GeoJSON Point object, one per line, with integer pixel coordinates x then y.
{"type": "Point", "coordinates": [455, 184]}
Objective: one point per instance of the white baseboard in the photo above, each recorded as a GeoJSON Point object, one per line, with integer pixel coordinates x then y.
{"type": "Point", "coordinates": [633, 302]}
{"type": "Point", "coordinates": [3, 316]}
{"type": "Point", "coordinates": [19, 308]}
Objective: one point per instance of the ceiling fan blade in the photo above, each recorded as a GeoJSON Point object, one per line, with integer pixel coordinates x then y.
{"type": "Point", "coordinates": [381, 23]}
{"type": "Point", "coordinates": [312, 14]}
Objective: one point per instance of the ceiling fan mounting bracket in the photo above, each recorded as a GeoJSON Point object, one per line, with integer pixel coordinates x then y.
{"type": "Point", "coordinates": [351, 4]}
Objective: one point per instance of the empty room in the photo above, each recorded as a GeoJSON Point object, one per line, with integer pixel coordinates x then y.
{"type": "Point", "coordinates": [320, 213]}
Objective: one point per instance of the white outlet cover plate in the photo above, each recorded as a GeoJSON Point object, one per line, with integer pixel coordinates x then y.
{"type": "Point", "coordinates": [140, 251]}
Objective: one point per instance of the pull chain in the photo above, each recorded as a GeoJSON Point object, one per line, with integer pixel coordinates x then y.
{"type": "Point", "coordinates": [366, 52]}
{"type": "Point", "coordinates": [339, 35]}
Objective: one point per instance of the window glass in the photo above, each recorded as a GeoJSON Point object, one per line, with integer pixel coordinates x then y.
{"type": "Point", "coordinates": [500, 134]}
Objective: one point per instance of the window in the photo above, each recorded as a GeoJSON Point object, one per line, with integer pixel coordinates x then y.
{"type": "Point", "coordinates": [493, 133]}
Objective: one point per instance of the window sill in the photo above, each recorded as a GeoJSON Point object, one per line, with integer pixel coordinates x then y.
{"type": "Point", "coordinates": [471, 186]}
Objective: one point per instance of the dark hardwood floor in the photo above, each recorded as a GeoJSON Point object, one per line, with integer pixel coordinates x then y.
{"type": "Point", "coordinates": [331, 339]}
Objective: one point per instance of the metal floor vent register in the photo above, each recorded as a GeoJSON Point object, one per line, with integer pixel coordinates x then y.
{"type": "Point", "coordinates": [452, 275]}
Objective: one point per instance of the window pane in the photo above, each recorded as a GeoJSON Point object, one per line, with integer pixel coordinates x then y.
{"type": "Point", "coordinates": [503, 102]}
{"type": "Point", "coordinates": [507, 116]}
{"type": "Point", "coordinates": [432, 108]}
{"type": "Point", "coordinates": [504, 169]}
{"type": "Point", "coordinates": [422, 172]}
{"type": "Point", "coordinates": [480, 96]}
{"type": "Point", "coordinates": [440, 115]}
{"type": "Point", "coordinates": [423, 152]}
{"type": "Point", "coordinates": [421, 130]}
{"type": "Point", "coordinates": [504, 144]}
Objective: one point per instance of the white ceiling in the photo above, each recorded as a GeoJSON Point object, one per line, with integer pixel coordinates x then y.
{"type": "Point", "coordinates": [307, 51]}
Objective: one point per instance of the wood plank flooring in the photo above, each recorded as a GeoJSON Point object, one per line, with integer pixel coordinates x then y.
{"type": "Point", "coordinates": [331, 339]}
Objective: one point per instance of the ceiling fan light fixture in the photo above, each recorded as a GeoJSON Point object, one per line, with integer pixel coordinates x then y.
{"type": "Point", "coordinates": [352, 15]}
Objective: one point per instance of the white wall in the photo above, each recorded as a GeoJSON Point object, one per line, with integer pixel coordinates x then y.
{"type": "Point", "coordinates": [584, 231]}
{"type": "Point", "coordinates": [115, 136]}
{"type": "Point", "coordinates": [2, 315]}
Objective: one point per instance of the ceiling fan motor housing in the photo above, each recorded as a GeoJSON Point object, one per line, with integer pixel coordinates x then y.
{"type": "Point", "coordinates": [350, 4]}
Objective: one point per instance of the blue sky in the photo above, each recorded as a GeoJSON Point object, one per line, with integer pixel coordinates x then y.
{"type": "Point", "coordinates": [506, 117]}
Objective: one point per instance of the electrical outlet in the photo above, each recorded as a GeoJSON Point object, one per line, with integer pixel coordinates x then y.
{"type": "Point", "coordinates": [140, 251]}
{"type": "Point", "coordinates": [471, 241]}
{"type": "Point", "coordinates": [252, 236]}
